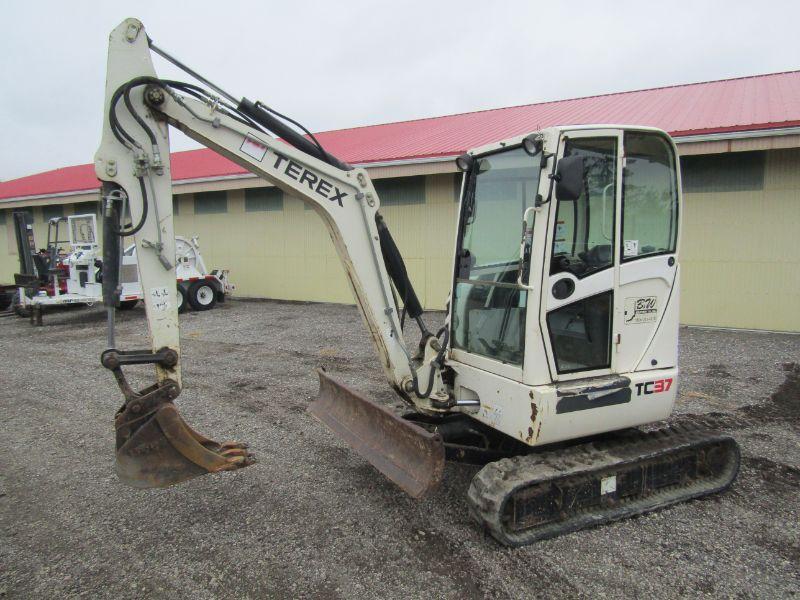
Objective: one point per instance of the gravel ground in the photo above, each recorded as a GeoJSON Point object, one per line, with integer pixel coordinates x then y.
{"type": "Point", "coordinates": [313, 520]}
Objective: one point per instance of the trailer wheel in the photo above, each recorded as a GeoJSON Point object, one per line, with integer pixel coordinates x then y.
{"type": "Point", "coordinates": [182, 304]}
{"type": "Point", "coordinates": [127, 304]}
{"type": "Point", "coordinates": [202, 295]}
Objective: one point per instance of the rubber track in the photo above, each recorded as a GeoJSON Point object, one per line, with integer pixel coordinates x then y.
{"type": "Point", "coordinates": [493, 486]}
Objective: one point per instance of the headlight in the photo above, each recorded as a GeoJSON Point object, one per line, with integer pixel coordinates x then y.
{"type": "Point", "coordinates": [464, 162]}
{"type": "Point", "coordinates": [532, 144]}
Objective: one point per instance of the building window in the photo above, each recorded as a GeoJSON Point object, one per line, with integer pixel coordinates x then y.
{"type": "Point", "coordinates": [401, 190]}
{"type": "Point", "coordinates": [176, 205]}
{"type": "Point", "coordinates": [52, 211]}
{"type": "Point", "coordinates": [3, 217]}
{"type": "Point", "coordinates": [263, 199]}
{"type": "Point", "coordinates": [728, 172]}
{"type": "Point", "coordinates": [86, 208]}
{"type": "Point", "coordinates": [27, 211]}
{"type": "Point", "coordinates": [210, 203]}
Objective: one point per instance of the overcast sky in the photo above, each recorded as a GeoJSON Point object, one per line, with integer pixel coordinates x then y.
{"type": "Point", "coordinates": [347, 63]}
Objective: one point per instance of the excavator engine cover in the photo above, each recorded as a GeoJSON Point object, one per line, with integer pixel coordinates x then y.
{"type": "Point", "coordinates": [410, 456]}
{"type": "Point", "coordinates": [156, 447]}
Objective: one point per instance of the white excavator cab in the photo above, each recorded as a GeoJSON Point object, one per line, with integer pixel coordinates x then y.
{"type": "Point", "coordinates": [568, 276]}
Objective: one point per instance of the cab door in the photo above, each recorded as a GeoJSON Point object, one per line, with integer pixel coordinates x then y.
{"type": "Point", "coordinates": [581, 261]}
{"type": "Point", "coordinates": [647, 303]}
{"type": "Point", "coordinates": [490, 307]}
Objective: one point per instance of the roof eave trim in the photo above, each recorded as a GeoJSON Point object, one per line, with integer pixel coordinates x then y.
{"type": "Point", "coordinates": [679, 139]}
{"type": "Point", "coordinates": [736, 135]}
{"type": "Point", "coordinates": [53, 195]}
{"type": "Point", "coordinates": [180, 182]}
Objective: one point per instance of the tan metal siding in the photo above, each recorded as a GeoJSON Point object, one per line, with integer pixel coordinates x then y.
{"type": "Point", "coordinates": [425, 233]}
{"type": "Point", "coordinates": [8, 251]}
{"type": "Point", "coordinates": [741, 252]}
{"type": "Point", "coordinates": [288, 254]}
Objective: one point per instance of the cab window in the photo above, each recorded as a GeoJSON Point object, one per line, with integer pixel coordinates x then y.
{"type": "Point", "coordinates": [649, 197]}
{"type": "Point", "coordinates": [584, 231]}
{"type": "Point", "coordinates": [488, 306]}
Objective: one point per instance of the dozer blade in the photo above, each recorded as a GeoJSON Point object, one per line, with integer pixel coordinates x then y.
{"type": "Point", "coordinates": [160, 449]}
{"type": "Point", "coordinates": [410, 456]}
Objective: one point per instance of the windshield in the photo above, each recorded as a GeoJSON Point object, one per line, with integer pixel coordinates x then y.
{"type": "Point", "coordinates": [502, 186]}
{"type": "Point", "coordinates": [489, 306]}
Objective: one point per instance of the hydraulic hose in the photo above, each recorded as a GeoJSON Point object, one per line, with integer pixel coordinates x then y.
{"type": "Point", "coordinates": [437, 362]}
{"type": "Point", "coordinates": [126, 232]}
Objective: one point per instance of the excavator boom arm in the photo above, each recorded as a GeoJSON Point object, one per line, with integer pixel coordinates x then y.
{"type": "Point", "coordinates": [345, 199]}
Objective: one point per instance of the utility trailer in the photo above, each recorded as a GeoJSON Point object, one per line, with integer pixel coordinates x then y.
{"type": "Point", "coordinates": [197, 287]}
{"type": "Point", "coordinates": [51, 277]}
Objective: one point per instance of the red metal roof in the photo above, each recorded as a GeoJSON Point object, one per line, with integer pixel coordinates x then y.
{"type": "Point", "coordinates": [743, 104]}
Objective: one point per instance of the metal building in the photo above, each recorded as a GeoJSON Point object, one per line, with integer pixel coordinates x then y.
{"type": "Point", "coordinates": [739, 141]}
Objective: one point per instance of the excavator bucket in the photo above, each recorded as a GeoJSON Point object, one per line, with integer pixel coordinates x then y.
{"type": "Point", "coordinates": [410, 456]}
{"type": "Point", "coordinates": [160, 449]}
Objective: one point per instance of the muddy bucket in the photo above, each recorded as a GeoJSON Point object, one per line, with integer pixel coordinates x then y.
{"type": "Point", "coordinates": [410, 456]}
{"type": "Point", "coordinates": [159, 449]}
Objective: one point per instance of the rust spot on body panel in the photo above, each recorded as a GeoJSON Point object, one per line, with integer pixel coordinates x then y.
{"type": "Point", "coordinates": [533, 435]}
{"type": "Point", "coordinates": [529, 439]}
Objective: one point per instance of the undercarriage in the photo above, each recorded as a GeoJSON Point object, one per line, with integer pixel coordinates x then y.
{"type": "Point", "coordinates": [522, 495]}
{"type": "Point", "coordinates": [541, 495]}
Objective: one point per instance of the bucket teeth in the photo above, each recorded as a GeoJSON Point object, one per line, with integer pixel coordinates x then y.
{"type": "Point", "coordinates": [230, 452]}
{"type": "Point", "coordinates": [164, 450]}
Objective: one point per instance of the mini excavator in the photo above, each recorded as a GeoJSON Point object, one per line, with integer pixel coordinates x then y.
{"type": "Point", "coordinates": [560, 341]}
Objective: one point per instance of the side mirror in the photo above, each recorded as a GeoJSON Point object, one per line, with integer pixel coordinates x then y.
{"type": "Point", "coordinates": [569, 178]}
